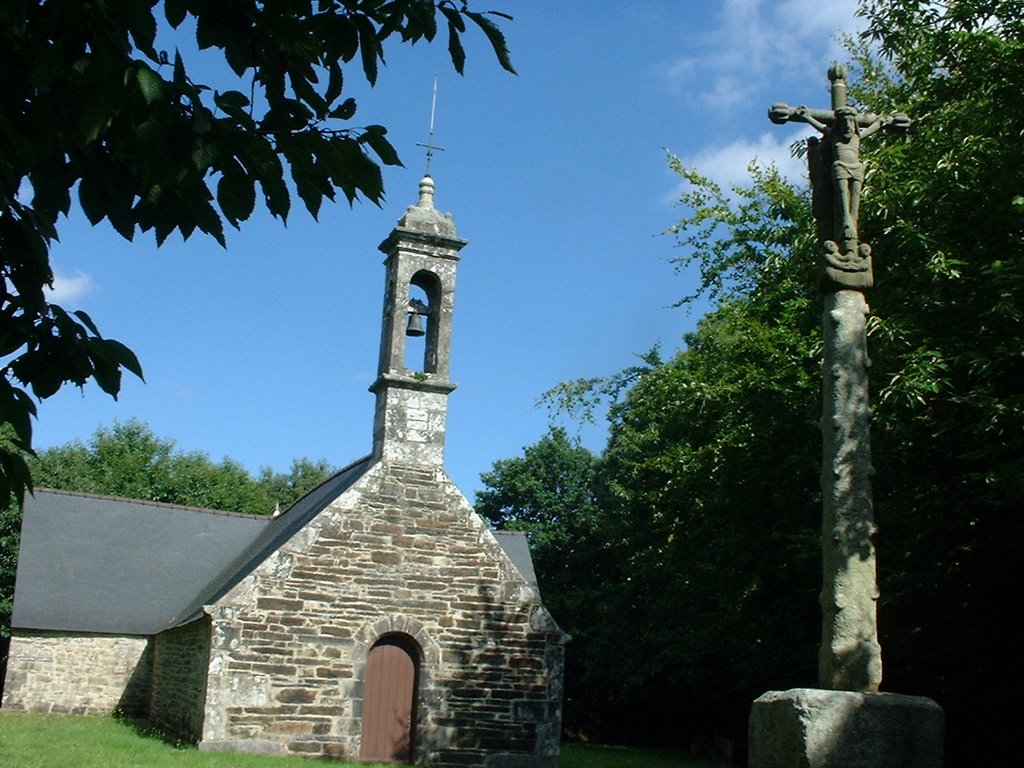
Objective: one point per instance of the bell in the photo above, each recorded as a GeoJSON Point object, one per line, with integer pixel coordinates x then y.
{"type": "Point", "coordinates": [414, 325]}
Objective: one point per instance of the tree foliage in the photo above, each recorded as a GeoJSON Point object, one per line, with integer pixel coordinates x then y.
{"type": "Point", "coordinates": [97, 104]}
{"type": "Point", "coordinates": [949, 409]}
{"type": "Point", "coordinates": [707, 493]}
{"type": "Point", "coordinates": [548, 493]}
{"type": "Point", "coordinates": [129, 461]}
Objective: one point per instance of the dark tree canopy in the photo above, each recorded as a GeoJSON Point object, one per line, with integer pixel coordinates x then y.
{"type": "Point", "coordinates": [548, 493]}
{"type": "Point", "coordinates": [128, 460]}
{"type": "Point", "coordinates": [707, 494]}
{"type": "Point", "coordinates": [98, 107]}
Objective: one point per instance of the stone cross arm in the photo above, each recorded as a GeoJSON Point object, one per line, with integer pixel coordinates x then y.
{"type": "Point", "coordinates": [781, 113]}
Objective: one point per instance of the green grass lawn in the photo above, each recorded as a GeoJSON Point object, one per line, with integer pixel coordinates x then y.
{"type": "Point", "coordinates": [56, 741]}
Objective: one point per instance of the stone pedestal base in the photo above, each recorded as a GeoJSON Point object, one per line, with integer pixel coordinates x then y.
{"type": "Point", "coordinates": [813, 728]}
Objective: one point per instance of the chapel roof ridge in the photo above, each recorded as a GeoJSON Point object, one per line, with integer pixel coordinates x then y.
{"type": "Point", "coordinates": [146, 502]}
{"type": "Point", "coordinates": [277, 531]}
{"type": "Point", "coordinates": [322, 483]}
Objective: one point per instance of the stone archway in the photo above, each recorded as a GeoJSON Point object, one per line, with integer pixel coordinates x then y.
{"type": "Point", "coordinates": [389, 700]}
{"type": "Point", "coordinates": [412, 637]}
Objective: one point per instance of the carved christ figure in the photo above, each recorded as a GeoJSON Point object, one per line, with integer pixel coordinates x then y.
{"type": "Point", "coordinates": [844, 137]}
{"type": "Point", "coordinates": [837, 178]}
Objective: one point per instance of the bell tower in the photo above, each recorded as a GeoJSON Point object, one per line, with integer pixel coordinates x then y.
{"type": "Point", "coordinates": [412, 390]}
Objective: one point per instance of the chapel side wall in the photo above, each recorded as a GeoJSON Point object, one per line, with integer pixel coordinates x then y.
{"type": "Point", "coordinates": [181, 657]}
{"type": "Point", "coordinates": [77, 673]}
{"type": "Point", "coordinates": [401, 552]}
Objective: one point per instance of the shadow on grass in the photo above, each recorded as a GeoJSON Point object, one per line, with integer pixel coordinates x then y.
{"type": "Point", "coordinates": [577, 755]}
{"type": "Point", "coordinates": [142, 728]}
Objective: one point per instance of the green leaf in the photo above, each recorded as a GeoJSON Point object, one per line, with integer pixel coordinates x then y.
{"type": "Point", "coordinates": [150, 83]}
{"type": "Point", "coordinates": [162, 228]}
{"type": "Point", "coordinates": [454, 17]}
{"type": "Point", "coordinates": [202, 122]}
{"type": "Point", "coordinates": [219, 25]}
{"type": "Point", "coordinates": [179, 69]}
{"type": "Point", "coordinates": [106, 372]}
{"type": "Point", "coordinates": [86, 321]}
{"type": "Point", "coordinates": [236, 196]}
{"type": "Point", "coordinates": [369, 47]}
{"type": "Point", "coordinates": [15, 477]}
{"type": "Point", "coordinates": [345, 111]}
{"type": "Point", "coordinates": [428, 23]}
{"type": "Point", "coordinates": [207, 219]}
{"type": "Point", "coordinates": [311, 194]}
{"type": "Point", "coordinates": [275, 196]}
{"type": "Point", "coordinates": [142, 26]}
{"type": "Point", "coordinates": [123, 356]}
{"type": "Point", "coordinates": [335, 82]}
{"type": "Point", "coordinates": [455, 49]}
{"type": "Point", "coordinates": [496, 38]}
{"type": "Point", "coordinates": [231, 100]}
{"type": "Point", "coordinates": [305, 91]}
{"type": "Point", "coordinates": [353, 171]}
{"type": "Point", "coordinates": [239, 54]}
{"type": "Point", "coordinates": [90, 196]}
{"type": "Point", "coordinates": [17, 410]}
{"type": "Point", "coordinates": [375, 136]}
{"type": "Point", "coordinates": [205, 155]}
{"type": "Point", "coordinates": [175, 10]}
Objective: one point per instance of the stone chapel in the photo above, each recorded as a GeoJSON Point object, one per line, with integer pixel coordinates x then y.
{"type": "Point", "coordinates": [376, 619]}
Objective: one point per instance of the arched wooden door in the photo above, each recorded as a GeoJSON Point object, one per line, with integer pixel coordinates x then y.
{"type": "Point", "coordinates": [389, 703]}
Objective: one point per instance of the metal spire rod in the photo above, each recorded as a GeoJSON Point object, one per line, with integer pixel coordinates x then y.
{"type": "Point", "coordinates": [429, 146]}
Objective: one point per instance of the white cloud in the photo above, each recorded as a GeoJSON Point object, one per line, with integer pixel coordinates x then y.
{"type": "Point", "coordinates": [676, 73]}
{"type": "Point", "coordinates": [745, 56]}
{"type": "Point", "coordinates": [753, 43]}
{"type": "Point", "coordinates": [728, 164]}
{"type": "Point", "coordinates": [66, 289]}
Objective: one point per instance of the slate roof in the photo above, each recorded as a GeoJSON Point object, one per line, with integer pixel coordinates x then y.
{"type": "Point", "coordinates": [100, 564]}
{"type": "Point", "coordinates": [517, 547]}
{"type": "Point", "coordinates": [92, 563]}
{"type": "Point", "coordinates": [272, 537]}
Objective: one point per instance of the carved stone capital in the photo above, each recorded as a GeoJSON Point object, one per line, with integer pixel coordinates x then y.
{"type": "Point", "coordinates": [848, 266]}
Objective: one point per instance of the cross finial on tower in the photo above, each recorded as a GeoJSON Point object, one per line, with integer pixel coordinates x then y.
{"type": "Point", "coordinates": [430, 146]}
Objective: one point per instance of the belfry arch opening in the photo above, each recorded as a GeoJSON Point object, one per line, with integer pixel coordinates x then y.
{"type": "Point", "coordinates": [423, 322]}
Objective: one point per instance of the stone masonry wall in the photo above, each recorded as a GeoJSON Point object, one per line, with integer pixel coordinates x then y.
{"type": "Point", "coordinates": [181, 657]}
{"type": "Point", "coordinates": [399, 552]}
{"type": "Point", "coordinates": [82, 674]}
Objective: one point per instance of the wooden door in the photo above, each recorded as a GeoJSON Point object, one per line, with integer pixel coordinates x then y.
{"type": "Point", "coordinates": [389, 696]}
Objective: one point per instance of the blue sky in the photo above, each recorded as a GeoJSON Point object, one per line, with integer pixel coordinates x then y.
{"type": "Point", "coordinates": [557, 177]}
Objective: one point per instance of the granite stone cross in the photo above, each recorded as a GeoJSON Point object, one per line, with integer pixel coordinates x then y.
{"type": "Point", "coordinates": [837, 177]}
{"type": "Point", "coordinates": [850, 657]}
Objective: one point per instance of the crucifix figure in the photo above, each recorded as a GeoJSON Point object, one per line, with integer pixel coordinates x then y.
{"type": "Point", "coordinates": [850, 657]}
{"type": "Point", "coordinates": [837, 176]}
